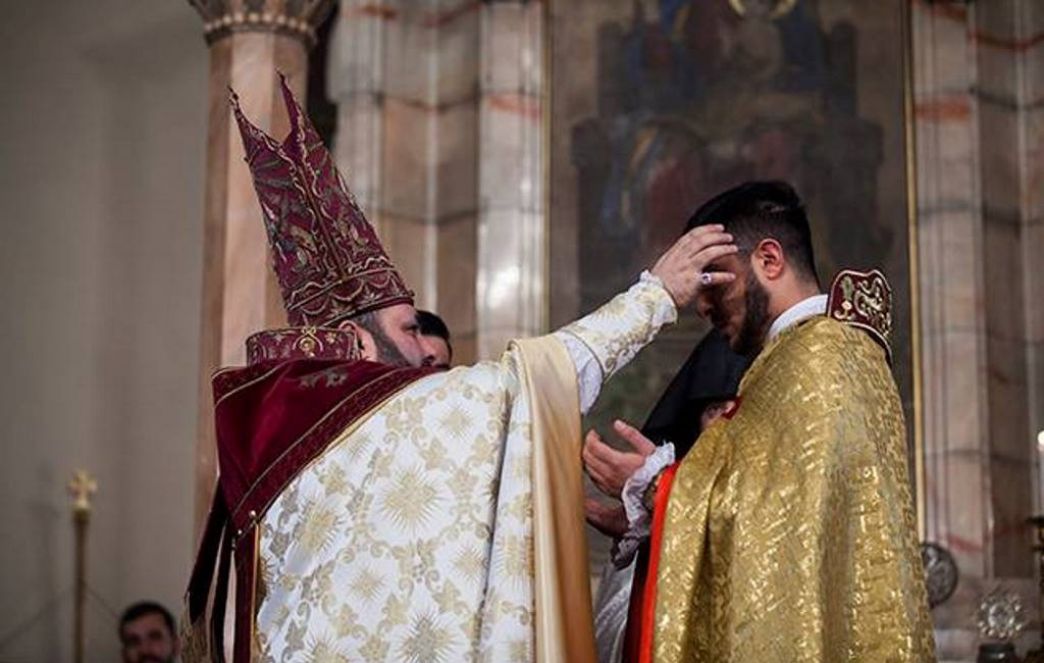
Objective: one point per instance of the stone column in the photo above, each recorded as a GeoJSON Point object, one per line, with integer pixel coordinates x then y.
{"type": "Point", "coordinates": [513, 234]}
{"type": "Point", "coordinates": [976, 70]}
{"type": "Point", "coordinates": [1003, 39]}
{"type": "Point", "coordinates": [249, 41]}
{"type": "Point", "coordinates": [1030, 102]}
{"type": "Point", "coordinates": [441, 133]}
{"type": "Point", "coordinates": [405, 78]}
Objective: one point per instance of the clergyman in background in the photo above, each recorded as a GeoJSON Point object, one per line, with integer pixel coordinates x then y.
{"type": "Point", "coordinates": [435, 339]}
{"type": "Point", "coordinates": [147, 634]}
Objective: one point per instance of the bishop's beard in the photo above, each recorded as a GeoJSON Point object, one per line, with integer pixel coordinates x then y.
{"type": "Point", "coordinates": [387, 351]}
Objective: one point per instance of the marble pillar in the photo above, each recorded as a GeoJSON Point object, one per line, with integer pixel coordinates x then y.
{"type": "Point", "coordinates": [512, 242]}
{"type": "Point", "coordinates": [975, 168]}
{"type": "Point", "coordinates": [249, 41]}
{"type": "Point", "coordinates": [440, 135]}
{"type": "Point", "coordinates": [404, 76]}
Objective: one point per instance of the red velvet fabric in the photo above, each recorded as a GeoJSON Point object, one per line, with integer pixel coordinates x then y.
{"type": "Point", "coordinates": [329, 261]}
{"type": "Point", "coordinates": [272, 420]}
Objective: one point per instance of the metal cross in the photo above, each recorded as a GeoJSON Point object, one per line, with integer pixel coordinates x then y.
{"type": "Point", "coordinates": [81, 488]}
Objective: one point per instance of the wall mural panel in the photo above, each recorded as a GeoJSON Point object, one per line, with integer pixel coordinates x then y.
{"type": "Point", "coordinates": [658, 105]}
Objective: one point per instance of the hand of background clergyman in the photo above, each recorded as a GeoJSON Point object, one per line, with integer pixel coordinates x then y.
{"type": "Point", "coordinates": [610, 469]}
{"type": "Point", "coordinates": [609, 519]}
{"type": "Point", "coordinates": [681, 266]}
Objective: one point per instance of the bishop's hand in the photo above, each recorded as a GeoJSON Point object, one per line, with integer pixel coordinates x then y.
{"type": "Point", "coordinates": [681, 267]}
{"type": "Point", "coordinates": [610, 469]}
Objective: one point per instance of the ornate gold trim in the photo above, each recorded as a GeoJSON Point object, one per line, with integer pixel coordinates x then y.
{"type": "Point", "coordinates": [906, 23]}
{"type": "Point", "coordinates": [546, 38]}
{"type": "Point", "coordinates": [222, 18]}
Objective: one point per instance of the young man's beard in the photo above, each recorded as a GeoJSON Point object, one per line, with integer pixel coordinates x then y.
{"type": "Point", "coordinates": [751, 335]}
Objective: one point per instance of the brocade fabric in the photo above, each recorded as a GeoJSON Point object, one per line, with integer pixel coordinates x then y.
{"type": "Point", "coordinates": [411, 537]}
{"type": "Point", "coordinates": [790, 532]}
{"type": "Point", "coordinates": [590, 373]}
{"type": "Point", "coordinates": [326, 255]}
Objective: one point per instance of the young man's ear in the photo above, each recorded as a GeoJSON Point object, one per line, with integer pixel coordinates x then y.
{"type": "Point", "coordinates": [768, 260]}
{"type": "Point", "coordinates": [367, 347]}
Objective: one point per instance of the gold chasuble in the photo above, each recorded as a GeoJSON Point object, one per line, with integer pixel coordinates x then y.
{"type": "Point", "coordinates": [789, 533]}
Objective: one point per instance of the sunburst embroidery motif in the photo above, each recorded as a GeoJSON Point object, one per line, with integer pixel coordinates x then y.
{"type": "Point", "coordinates": [411, 501]}
{"type": "Point", "coordinates": [366, 585]}
{"type": "Point", "coordinates": [428, 641]}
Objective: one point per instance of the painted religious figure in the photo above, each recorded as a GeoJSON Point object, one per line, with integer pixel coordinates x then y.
{"type": "Point", "coordinates": [661, 103]}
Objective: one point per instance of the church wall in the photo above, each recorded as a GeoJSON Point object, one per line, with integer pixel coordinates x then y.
{"type": "Point", "coordinates": [976, 76]}
{"type": "Point", "coordinates": [104, 128]}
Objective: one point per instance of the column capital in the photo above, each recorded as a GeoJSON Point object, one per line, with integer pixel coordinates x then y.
{"type": "Point", "coordinates": [297, 18]}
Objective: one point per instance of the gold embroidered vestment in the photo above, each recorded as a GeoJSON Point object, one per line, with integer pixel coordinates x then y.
{"type": "Point", "coordinates": [789, 532]}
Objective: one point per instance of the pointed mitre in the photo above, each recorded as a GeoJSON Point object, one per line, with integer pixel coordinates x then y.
{"type": "Point", "coordinates": [326, 255]}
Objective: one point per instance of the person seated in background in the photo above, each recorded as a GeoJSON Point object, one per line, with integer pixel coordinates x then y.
{"type": "Point", "coordinates": [147, 634]}
{"type": "Point", "coordinates": [435, 339]}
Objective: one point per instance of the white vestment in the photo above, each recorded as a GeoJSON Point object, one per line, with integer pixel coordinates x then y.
{"type": "Point", "coordinates": [412, 536]}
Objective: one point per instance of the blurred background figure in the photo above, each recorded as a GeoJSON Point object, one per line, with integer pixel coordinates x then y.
{"type": "Point", "coordinates": [435, 339]}
{"type": "Point", "coordinates": [148, 634]}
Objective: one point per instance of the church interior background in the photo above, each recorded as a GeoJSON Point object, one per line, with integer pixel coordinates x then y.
{"type": "Point", "coordinates": [521, 160]}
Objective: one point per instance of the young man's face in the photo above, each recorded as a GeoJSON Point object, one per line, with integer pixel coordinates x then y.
{"type": "Point", "coordinates": [148, 640]}
{"type": "Point", "coordinates": [739, 310]}
{"type": "Point", "coordinates": [436, 350]}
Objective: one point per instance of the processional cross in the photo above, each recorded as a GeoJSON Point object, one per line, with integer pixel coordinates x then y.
{"type": "Point", "coordinates": [81, 487]}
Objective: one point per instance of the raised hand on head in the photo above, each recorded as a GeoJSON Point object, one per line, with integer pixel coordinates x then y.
{"type": "Point", "coordinates": [682, 267]}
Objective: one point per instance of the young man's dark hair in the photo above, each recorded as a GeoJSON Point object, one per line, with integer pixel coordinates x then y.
{"type": "Point", "coordinates": [432, 325]}
{"type": "Point", "coordinates": [142, 608]}
{"type": "Point", "coordinates": [754, 211]}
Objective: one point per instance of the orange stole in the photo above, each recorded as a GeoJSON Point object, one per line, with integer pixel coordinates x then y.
{"type": "Point", "coordinates": [646, 608]}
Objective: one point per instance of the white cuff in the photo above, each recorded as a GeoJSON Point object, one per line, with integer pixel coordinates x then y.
{"type": "Point", "coordinates": [648, 277]}
{"type": "Point", "coordinates": [638, 517]}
